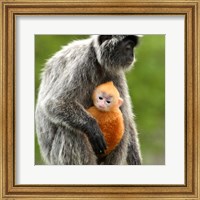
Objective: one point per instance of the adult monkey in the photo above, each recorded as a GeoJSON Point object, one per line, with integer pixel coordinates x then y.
{"type": "Point", "coordinates": [67, 133]}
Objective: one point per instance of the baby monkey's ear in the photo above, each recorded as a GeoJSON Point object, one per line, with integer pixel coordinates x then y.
{"type": "Point", "coordinates": [120, 101]}
{"type": "Point", "coordinates": [103, 38]}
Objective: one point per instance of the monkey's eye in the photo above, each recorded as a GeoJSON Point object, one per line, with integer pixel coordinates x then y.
{"type": "Point", "coordinates": [130, 45]}
{"type": "Point", "coordinates": [108, 102]}
{"type": "Point", "coordinates": [101, 98]}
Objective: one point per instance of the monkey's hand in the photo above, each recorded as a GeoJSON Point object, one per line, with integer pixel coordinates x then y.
{"type": "Point", "coordinates": [96, 138]}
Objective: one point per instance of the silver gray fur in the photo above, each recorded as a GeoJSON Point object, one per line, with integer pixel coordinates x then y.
{"type": "Point", "coordinates": [67, 134]}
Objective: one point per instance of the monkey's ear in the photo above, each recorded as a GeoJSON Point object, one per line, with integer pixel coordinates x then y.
{"type": "Point", "coordinates": [103, 38]}
{"type": "Point", "coordinates": [120, 101]}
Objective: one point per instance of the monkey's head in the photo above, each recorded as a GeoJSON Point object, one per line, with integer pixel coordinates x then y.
{"type": "Point", "coordinates": [115, 52]}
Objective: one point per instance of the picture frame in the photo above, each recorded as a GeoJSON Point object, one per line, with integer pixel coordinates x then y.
{"type": "Point", "coordinates": [10, 9]}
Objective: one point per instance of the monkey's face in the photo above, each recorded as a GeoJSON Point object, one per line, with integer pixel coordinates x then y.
{"type": "Point", "coordinates": [116, 52]}
{"type": "Point", "coordinates": [103, 101]}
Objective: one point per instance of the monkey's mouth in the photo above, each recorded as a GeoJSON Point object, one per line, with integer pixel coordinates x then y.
{"type": "Point", "coordinates": [101, 108]}
{"type": "Point", "coordinates": [129, 63]}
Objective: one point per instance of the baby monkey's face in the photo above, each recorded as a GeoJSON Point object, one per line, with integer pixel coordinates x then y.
{"type": "Point", "coordinates": [103, 101]}
{"type": "Point", "coordinates": [106, 97]}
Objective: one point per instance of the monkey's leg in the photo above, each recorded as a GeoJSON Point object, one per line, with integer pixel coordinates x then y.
{"type": "Point", "coordinates": [46, 131]}
{"type": "Point", "coordinates": [62, 145]}
{"type": "Point", "coordinates": [133, 156]}
{"type": "Point", "coordinates": [71, 147]}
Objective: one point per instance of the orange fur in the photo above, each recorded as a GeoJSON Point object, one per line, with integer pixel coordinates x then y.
{"type": "Point", "coordinates": [110, 122]}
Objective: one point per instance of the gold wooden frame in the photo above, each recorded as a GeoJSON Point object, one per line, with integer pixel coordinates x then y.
{"type": "Point", "coordinates": [190, 9]}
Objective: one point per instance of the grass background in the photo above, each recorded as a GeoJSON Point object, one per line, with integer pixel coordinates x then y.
{"type": "Point", "coordinates": [146, 83]}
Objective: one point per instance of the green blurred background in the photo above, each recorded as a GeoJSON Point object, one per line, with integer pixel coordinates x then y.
{"type": "Point", "coordinates": [146, 87]}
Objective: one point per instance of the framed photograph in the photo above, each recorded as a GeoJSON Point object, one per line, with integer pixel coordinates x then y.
{"type": "Point", "coordinates": [163, 88]}
{"type": "Point", "coordinates": [150, 119]}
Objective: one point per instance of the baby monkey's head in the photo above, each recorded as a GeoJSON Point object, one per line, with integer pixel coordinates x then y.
{"type": "Point", "coordinates": [106, 97]}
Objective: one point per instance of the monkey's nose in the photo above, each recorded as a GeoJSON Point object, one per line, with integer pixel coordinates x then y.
{"type": "Point", "coordinates": [101, 105]}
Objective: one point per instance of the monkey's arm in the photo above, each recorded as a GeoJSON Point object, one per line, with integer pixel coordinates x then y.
{"type": "Point", "coordinates": [71, 113]}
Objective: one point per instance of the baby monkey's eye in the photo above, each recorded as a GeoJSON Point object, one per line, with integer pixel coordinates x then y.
{"type": "Point", "coordinates": [108, 102]}
{"type": "Point", "coordinates": [101, 98]}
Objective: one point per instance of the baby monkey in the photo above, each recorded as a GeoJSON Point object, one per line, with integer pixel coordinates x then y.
{"type": "Point", "coordinates": [106, 111]}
